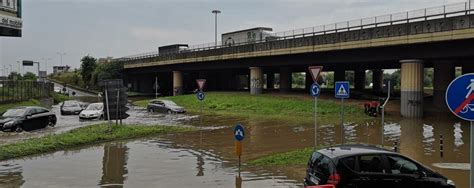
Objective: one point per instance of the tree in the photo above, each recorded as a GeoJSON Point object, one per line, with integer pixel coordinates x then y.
{"type": "Point", "coordinates": [108, 70]}
{"type": "Point", "coordinates": [29, 76]}
{"type": "Point", "coordinates": [88, 65]}
{"type": "Point", "coordinates": [14, 76]}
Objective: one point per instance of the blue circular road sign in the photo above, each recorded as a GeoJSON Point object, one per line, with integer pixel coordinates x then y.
{"type": "Point", "coordinates": [460, 97]}
{"type": "Point", "coordinates": [315, 90]}
{"type": "Point", "coordinates": [200, 95]}
{"type": "Point", "coordinates": [239, 132]}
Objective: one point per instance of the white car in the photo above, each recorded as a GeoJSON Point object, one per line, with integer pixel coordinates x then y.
{"type": "Point", "coordinates": [57, 89]}
{"type": "Point", "coordinates": [93, 111]}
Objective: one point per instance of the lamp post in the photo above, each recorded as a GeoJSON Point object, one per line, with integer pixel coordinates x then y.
{"type": "Point", "coordinates": [61, 57]}
{"type": "Point", "coordinates": [215, 12]}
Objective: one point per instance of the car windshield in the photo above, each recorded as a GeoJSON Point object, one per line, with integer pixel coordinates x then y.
{"type": "Point", "coordinates": [71, 104]}
{"type": "Point", "coordinates": [170, 103]}
{"type": "Point", "coordinates": [14, 113]}
{"type": "Point", "coordinates": [94, 107]}
{"type": "Point", "coordinates": [321, 164]}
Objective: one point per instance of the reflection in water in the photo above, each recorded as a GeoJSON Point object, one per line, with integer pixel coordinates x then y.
{"type": "Point", "coordinates": [350, 132]}
{"type": "Point", "coordinates": [11, 175]}
{"type": "Point", "coordinates": [392, 132]}
{"type": "Point", "coordinates": [200, 165]}
{"type": "Point", "coordinates": [428, 139]}
{"type": "Point", "coordinates": [114, 164]}
{"type": "Point", "coordinates": [328, 134]}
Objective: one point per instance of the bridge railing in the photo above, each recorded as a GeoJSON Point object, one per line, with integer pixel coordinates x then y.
{"type": "Point", "coordinates": [456, 9]}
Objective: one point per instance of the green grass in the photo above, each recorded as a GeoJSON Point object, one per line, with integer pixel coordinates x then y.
{"type": "Point", "coordinates": [31, 102]}
{"type": "Point", "coordinates": [60, 98]}
{"type": "Point", "coordinates": [297, 157]}
{"type": "Point", "coordinates": [79, 137]}
{"type": "Point", "coordinates": [233, 103]}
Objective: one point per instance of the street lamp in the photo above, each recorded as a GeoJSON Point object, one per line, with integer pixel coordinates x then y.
{"type": "Point", "coordinates": [61, 56]}
{"type": "Point", "coordinates": [216, 12]}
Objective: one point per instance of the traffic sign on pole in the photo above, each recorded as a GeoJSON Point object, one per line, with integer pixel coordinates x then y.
{"type": "Point", "coordinates": [459, 98]}
{"type": "Point", "coordinates": [200, 95]}
{"type": "Point", "coordinates": [342, 90]}
{"type": "Point", "coordinates": [315, 90]}
{"type": "Point", "coordinates": [239, 132]}
{"type": "Point", "coordinates": [201, 83]}
{"type": "Point", "coordinates": [315, 71]}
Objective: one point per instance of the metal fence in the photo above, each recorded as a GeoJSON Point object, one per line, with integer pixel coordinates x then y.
{"type": "Point", "coordinates": [14, 91]}
{"type": "Point", "coordinates": [457, 9]}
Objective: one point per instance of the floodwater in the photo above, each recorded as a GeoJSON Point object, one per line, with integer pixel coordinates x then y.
{"type": "Point", "coordinates": [140, 163]}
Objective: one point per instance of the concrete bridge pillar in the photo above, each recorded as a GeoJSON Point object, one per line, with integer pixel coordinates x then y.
{"type": "Point", "coordinates": [270, 80]}
{"type": "Point", "coordinates": [256, 80]}
{"type": "Point", "coordinates": [468, 67]}
{"type": "Point", "coordinates": [377, 80]}
{"type": "Point", "coordinates": [177, 83]}
{"type": "Point", "coordinates": [412, 88]}
{"type": "Point", "coordinates": [285, 79]}
{"type": "Point", "coordinates": [340, 75]}
{"type": "Point", "coordinates": [359, 79]}
{"type": "Point", "coordinates": [444, 72]}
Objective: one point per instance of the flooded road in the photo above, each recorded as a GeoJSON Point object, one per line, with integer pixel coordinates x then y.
{"type": "Point", "coordinates": [140, 163]}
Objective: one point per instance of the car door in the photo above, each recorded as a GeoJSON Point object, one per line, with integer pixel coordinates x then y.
{"type": "Point", "coordinates": [30, 120]}
{"type": "Point", "coordinates": [161, 106]}
{"type": "Point", "coordinates": [371, 172]}
{"type": "Point", "coordinates": [407, 172]}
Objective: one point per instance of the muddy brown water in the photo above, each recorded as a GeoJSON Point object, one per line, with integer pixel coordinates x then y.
{"type": "Point", "coordinates": [178, 159]}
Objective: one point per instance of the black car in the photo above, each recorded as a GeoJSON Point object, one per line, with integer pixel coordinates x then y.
{"type": "Point", "coordinates": [26, 118]}
{"type": "Point", "coordinates": [164, 106]}
{"type": "Point", "coordinates": [356, 166]}
{"type": "Point", "coordinates": [71, 107]}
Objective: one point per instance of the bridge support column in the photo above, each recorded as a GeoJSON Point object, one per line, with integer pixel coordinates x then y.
{"type": "Point", "coordinates": [444, 72]}
{"type": "Point", "coordinates": [412, 88]}
{"type": "Point", "coordinates": [340, 75]}
{"type": "Point", "coordinates": [377, 80]}
{"type": "Point", "coordinates": [468, 67]}
{"type": "Point", "coordinates": [177, 83]}
{"type": "Point", "coordinates": [256, 80]}
{"type": "Point", "coordinates": [359, 79]}
{"type": "Point", "coordinates": [270, 80]}
{"type": "Point", "coordinates": [285, 79]}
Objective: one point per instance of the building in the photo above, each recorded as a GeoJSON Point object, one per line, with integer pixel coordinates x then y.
{"type": "Point", "coordinates": [10, 18]}
{"type": "Point", "coordinates": [60, 69]}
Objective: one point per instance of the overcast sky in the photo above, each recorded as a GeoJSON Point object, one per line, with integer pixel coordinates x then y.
{"type": "Point", "coordinates": [119, 28]}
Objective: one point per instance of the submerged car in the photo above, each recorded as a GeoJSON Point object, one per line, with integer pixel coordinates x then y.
{"type": "Point", "coordinates": [164, 106]}
{"type": "Point", "coordinates": [26, 118]}
{"type": "Point", "coordinates": [71, 108]}
{"type": "Point", "coordinates": [369, 166]}
{"type": "Point", "coordinates": [93, 111]}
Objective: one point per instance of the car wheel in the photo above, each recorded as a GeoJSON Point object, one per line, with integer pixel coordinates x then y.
{"type": "Point", "coordinates": [51, 122]}
{"type": "Point", "coordinates": [152, 110]}
{"type": "Point", "coordinates": [19, 128]}
{"type": "Point", "coordinates": [169, 111]}
{"type": "Point", "coordinates": [101, 117]}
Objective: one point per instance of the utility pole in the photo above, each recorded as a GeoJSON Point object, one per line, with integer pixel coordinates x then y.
{"type": "Point", "coordinates": [61, 57]}
{"type": "Point", "coordinates": [216, 12]}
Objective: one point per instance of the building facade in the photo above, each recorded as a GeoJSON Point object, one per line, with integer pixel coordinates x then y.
{"type": "Point", "coordinates": [10, 18]}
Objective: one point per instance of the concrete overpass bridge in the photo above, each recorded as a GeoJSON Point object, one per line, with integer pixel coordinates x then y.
{"type": "Point", "coordinates": [439, 37]}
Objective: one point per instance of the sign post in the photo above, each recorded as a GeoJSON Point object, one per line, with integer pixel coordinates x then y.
{"type": "Point", "coordinates": [315, 91]}
{"type": "Point", "coordinates": [239, 134]}
{"type": "Point", "coordinates": [382, 123]}
{"type": "Point", "coordinates": [200, 96]}
{"type": "Point", "coordinates": [341, 91]}
{"type": "Point", "coordinates": [459, 98]}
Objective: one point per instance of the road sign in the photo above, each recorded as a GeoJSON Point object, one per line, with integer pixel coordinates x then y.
{"type": "Point", "coordinates": [200, 95]}
{"type": "Point", "coordinates": [315, 90]}
{"type": "Point", "coordinates": [342, 90]}
{"type": "Point", "coordinates": [28, 63]}
{"type": "Point", "coordinates": [315, 70]}
{"type": "Point", "coordinates": [201, 83]}
{"type": "Point", "coordinates": [239, 132]}
{"type": "Point", "coordinates": [460, 96]}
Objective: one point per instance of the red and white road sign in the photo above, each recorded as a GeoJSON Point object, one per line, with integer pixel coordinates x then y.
{"type": "Point", "coordinates": [201, 83]}
{"type": "Point", "coordinates": [315, 71]}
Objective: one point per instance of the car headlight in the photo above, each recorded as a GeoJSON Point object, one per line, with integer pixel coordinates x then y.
{"type": "Point", "coordinates": [450, 182]}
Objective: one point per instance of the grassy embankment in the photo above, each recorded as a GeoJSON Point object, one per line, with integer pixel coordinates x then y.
{"type": "Point", "coordinates": [292, 158]}
{"type": "Point", "coordinates": [79, 137]}
{"type": "Point", "coordinates": [265, 105]}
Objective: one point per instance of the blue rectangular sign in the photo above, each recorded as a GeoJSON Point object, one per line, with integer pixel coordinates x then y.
{"type": "Point", "coordinates": [341, 90]}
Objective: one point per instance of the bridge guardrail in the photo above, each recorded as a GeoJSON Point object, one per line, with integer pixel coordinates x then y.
{"type": "Point", "coordinates": [306, 36]}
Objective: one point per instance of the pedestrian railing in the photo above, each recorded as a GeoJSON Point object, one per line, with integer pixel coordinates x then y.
{"type": "Point", "coordinates": [15, 91]}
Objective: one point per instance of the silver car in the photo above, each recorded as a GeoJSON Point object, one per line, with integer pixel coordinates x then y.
{"type": "Point", "coordinates": [164, 106]}
{"type": "Point", "coordinates": [93, 111]}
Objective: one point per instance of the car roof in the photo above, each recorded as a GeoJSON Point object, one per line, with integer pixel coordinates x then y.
{"type": "Point", "coordinates": [28, 107]}
{"type": "Point", "coordinates": [161, 100]}
{"type": "Point", "coordinates": [341, 151]}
